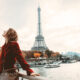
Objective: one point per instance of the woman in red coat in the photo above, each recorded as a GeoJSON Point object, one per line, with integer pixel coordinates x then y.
{"type": "Point", "coordinates": [11, 52]}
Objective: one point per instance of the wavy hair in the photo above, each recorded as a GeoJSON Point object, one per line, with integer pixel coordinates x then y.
{"type": "Point", "coordinates": [11, 35]}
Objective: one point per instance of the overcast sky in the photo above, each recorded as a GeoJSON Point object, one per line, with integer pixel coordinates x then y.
{"type": "Point", "coordinates": [60, 22]}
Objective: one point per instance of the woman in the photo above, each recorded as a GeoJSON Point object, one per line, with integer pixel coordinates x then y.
{"type": "Point", "coordinates": [11, 52]}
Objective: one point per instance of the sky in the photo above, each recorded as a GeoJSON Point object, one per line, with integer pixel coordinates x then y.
{"type": "Point", "coordinates": [60, 22]}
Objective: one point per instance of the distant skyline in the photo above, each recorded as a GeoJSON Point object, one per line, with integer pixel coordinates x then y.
{"type": "Point", "coordinates": [60, 22]}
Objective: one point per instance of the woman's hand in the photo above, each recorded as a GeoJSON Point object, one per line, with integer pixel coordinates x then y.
{"type": "Point", "coordinates": [34, 74]}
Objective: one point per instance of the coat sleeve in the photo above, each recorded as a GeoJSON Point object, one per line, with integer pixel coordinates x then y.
{"type": "Point", "coordinates": [1, 59]}
{"type": "Point", "coordinates": [21, 60]}
{"type": "Point", "coordinates": [0, 63]}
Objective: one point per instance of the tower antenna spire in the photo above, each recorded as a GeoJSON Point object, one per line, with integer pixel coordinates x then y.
{"type": "Point", "coordinates": [39, 21]}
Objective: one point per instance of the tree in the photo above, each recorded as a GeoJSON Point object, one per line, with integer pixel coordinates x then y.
{"type": "Point", "coordinates": [37, 55]}
{"type": "Point", "coordinates": [48, 52]}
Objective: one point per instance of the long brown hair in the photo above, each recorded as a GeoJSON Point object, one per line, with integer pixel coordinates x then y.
{"type": "Point", "coordinates": [11, 35]}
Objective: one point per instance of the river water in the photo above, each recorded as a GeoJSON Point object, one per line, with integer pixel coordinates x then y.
{"type": "Point", "coordinates": [69, 71]}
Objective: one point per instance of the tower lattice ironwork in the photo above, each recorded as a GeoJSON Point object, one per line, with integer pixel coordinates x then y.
{"type": "Point", "coordinates": [39, 44]}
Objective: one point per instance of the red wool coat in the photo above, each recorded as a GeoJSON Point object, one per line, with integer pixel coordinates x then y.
{"type": "Point", "coordinates": [12, 52]}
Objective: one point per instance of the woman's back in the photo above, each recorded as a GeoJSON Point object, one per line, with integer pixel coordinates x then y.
{"type": "Point", "coordinates": [10, 53]}
{"type": "Point", "coordinates": [9, 56]}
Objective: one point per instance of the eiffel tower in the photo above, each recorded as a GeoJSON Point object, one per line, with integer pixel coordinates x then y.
{"type": "Point", "coordinates": [39, 44]}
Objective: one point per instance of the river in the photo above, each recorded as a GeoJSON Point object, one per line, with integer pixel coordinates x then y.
{"type": "Point", "coordinates": [69, 71]}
